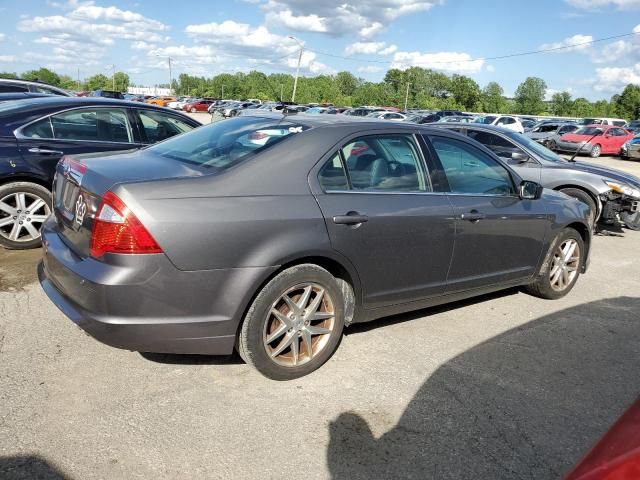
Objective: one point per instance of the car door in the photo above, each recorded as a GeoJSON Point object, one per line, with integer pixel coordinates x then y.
{"type": "Point", "coordinates": [42, 143]}
{"type": "Point", "coordinates": [499, 237]}
{"type": "Point", "coordinates": [386, 213]}
{"type": "Point", "coordinates": [617, 136]}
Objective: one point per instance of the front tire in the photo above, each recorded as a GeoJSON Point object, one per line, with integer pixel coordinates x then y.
{"type": "Point", "coordinates": [24, 206]}
{"type": "Point", "coordinates": [193, 110]}
{"type": "Point", "coordinates": [562, 266]}
{"type": "Point", "coordinates": [596, 150]}
{"type": "Point", "coordinates": [295, 323]}
{"type": "Point", "coordinates": [552, 145]}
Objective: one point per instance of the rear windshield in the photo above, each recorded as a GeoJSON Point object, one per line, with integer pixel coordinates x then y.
{"type": "Point", "coordinates": [223, 144]}
{"type": "Point", "coordinates": [488, 120]}
{"type": "Point", "coordinates": [588, 131]}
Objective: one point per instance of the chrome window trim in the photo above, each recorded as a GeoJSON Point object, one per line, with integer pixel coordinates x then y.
{"type": "Point", "coordinates": [379, 192]}
{"type": "Point", "coordinates": [19, 136]}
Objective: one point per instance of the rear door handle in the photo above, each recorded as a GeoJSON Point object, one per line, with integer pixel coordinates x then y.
{"type": "Point", "coordinates": [473, 216]}
{"type": "Point", "coordinates": [45, 151]}
{"type": "Point", "coordinates": [351, 218]}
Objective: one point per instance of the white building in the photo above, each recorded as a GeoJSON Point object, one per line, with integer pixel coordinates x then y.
{"type": "Point", "coordinates": [155, 91]}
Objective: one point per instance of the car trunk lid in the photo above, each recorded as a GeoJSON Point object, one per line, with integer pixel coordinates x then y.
{"type": "Point", "coordinates": [81, 182]}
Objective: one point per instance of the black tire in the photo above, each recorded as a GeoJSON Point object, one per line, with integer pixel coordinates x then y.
{"type": "Point", "coordinates": [595, 151]}
{"type": "Point", "coordinates": [7, 196]}
{"type": "Point", "coordinates": [251, 337]}
{"type": "Point", "coordinates": [631, 220]}
{"type": "Point", "coordinates": [194, 110]}
{"type": "Point", "coordinates": [551, 145]}
{"type": "Point", "coordinates": [541, 285]}
{"type": "Point", "coordinates": [584, 197]}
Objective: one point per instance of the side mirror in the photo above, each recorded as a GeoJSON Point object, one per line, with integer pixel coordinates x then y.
{"type": "Point", "coordinates": [519, 157]}
{"type": "Point", "coordinates": [530, 190]}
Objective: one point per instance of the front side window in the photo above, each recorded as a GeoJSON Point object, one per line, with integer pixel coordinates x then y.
{"type": "Point", "coordinates": [469, 170]}
{"type": "Point", "coordinates": [93, 124]}
{"type": "Point", "coordinates": [159, 126]}
{"type": "Point", "coordinates": [567, 129]}
{"type": "Point", "coordinates": [386, 163]}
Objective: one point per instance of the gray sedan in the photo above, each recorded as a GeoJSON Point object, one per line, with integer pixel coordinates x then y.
{"type": "Point", "coordinates": [271, 234]}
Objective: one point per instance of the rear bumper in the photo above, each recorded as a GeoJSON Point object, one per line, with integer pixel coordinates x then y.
{"type": "Point", "coordinates": [152, 309]}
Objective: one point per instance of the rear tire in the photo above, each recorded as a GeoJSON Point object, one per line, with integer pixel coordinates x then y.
{"type": "Point", "coordinates": [552, 145]}
{"type": "Point", "coordinates": [584, 197]}
{"type": "Point", "coordinates": [561, 268]}
{"type": "Point", "coordinates": [596, 150]}
{"type": "Point", "coordinates": [24, 207]}
{"type": "Point", "coordinates": [278, 344]}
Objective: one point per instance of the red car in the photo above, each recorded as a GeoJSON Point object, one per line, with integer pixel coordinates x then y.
{"type": "Point", "coordinates": [594, 140]}
{"type": "Point", "coordinates": [617, 455]}
{"type": "Point", "coordinates": [197, 106]}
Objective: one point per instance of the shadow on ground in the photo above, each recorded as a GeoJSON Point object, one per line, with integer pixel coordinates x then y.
{"type": "Point", "coordinates": [29, 467]}
{"type": "Point", "coordinates": [526, 404]}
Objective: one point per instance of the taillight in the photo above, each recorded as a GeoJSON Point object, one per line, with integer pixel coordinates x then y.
{"type": "Point", "coordinates": [117, 230]}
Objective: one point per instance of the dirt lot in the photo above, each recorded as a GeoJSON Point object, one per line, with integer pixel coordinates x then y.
{"type": "Point", "coordinates": [506, 386]}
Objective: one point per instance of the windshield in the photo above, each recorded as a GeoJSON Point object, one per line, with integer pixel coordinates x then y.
{"type": "Point", "coordinates": [488, 120]}
{"type": "Point", "coordinates": [535, 147]}
{"type": "Point", "coordinates": [588, 131]}
{"type": "Point", "coordinates": [224, 144]}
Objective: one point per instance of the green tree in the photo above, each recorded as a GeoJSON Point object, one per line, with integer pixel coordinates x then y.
{"type": "Point", "coordinates": [561, 104]}
{"type": "Point", "coordinates": [42, 75]}
{"type": "Point", "coordinates": [581, 107]}
{"type": "Point", "coordinates": [121, 81]}
{"type": "Point", "coordinates": [98, 82]}
{"type": "Point", "coordinates": [465, 91]}
{"type": "Point", "coordinates": [492, 98]}
{"type": "Point", "coordinates": [628, 103]}
{"type": "Point", "coordinates": [67, 82]}
{"type": "Point", "coordinates": [8, 75]}
{"type": "Point", "coordinates": [346, 83]}
{"type": "Point", "coordinates": [530, 96]}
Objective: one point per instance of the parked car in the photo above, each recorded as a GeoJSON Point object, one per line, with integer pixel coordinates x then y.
{"type": "Point", "coordinates": [617, 122]}
{"type": "Point", "coordinates": [107, 94]}
{"type": "Point", "coordinates": [180, 102]}
{"type": "Point", "coordinates": [391, 116]}
{"type": "Point", "coordinates": [631, 149]}
{"type": "Point", "coordinates": [12, 86]}
{"type": "Point", "coordinates": [363, 111]}
{"type": "Point", "coordinates": [233, 238]}
{"type": "Point", "coordinates": [593, 140]}
{"type": "Point", "coordinates": [9, 97]}
{"type": "Point", "coordinates": [527, 124]}
{"type": "Point", "coordinates": [197, 106]}
{"type": "Point", "coordinates": [548, 133]}
{"type": "Point", "coordinates": [161, 101]}
{"type": "Point", "coordinates": [36, 133]}
{"type": "Point", "coordinates": [608, 192]}
{"type": "Point", "coordinates": [456, 119]}
{"type": "Point", "coordinates": [505, 121]}
{"type": "Point", "coordinates": [634, 126]}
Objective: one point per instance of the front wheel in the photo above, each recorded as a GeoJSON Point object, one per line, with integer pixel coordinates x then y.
{"type": "Point", "coordinates": [631, 220]}
{"type": "Point", "coordinates": [552, 145]}
{"type": "Point", "coordinates": [595, 152]}
{"type": "Point", "coordinates": [585, 198]}
{"type": "Point", "coordinates": [295, 323]}
{"type": "Point", "coordinates": [24, 206]}
{"type": "Point", "coordinates": [193, 110]}
{"type": "Point", "coordinates": [561, 268]}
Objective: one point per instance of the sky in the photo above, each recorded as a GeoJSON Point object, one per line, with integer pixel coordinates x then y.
{"type": "Point", "coordinates": [365, 37]}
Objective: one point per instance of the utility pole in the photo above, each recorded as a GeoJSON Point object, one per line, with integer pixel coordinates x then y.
{"type": "Point", "coordinates": [295, 81]}
{"type": "Point", "coordinates": [78, 78]}
{"type": "Point", "coordinates": [170, 77]}
{"type": "Point", "coordinates": [281, 91]}
{"type": "Point", "coordinates": [113, 77]}
{"type": "Point", "coordinates": [222, 95]}
{"type": "Point", "coordinates": [406, 97]}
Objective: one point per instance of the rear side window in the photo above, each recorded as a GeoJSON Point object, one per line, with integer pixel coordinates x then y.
{"type": "Point", "coordinates": [9, 88]}
{"type": "Point", "coordinates": [471, 171]}
{"type": "Point", "coordinates": [159, 126]}
{"type": "Point", "coordinates": [223, 144]}
{"type": "Point", "coordinates": [93, 124]}
{"type": "Point", "coordinates": [386, 163]}
{"type": "Point", "coordinates": [39, 129]}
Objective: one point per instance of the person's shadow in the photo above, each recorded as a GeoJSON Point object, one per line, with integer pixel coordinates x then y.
{"type": "Point", "coordinates": [29, 467]}
{"type": "Point", "coordinates": [528, 403]}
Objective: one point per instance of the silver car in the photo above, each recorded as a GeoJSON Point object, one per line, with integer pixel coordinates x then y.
{"type": "Point", "coordinates": [548, 133]}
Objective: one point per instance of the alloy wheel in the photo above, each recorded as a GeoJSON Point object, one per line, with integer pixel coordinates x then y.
{"type": "Point", "coordinates": [22, 215]}
{"type": "Point", "coordinates": [565, 264]}
{"type": "Point", "coordinates": [299, 325]}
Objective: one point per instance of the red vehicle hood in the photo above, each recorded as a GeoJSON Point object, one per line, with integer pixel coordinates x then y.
{"type": "Point", "coordinates": [572, 137]}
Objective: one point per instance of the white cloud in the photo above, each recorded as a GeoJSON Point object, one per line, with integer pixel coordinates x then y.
{"type": "Point", "coordinates": [614, 79]}
{"type": "Point", "coordinates": [550, 92]}
{"type": "Point", "coordinates": [443, 61]}
{"type": "Point", "coordinates": [368, 48]}
{"type": "Point", "coordinates": [596, 4]}
{"type": "Point", "coordinates": [83, 34]}
{"type": "Point", "coordinates": [576, 43]}
{"type": "Point", "coordinates": [7, 58]}
{"type": "Point", "coordinates": [2, 37]}
{"type": "Point", "coordinates": [490, 68]}
{"type": "Point", "coordinates": [370, 69]}
{"type": "Point", "coordinates": [338, 17]}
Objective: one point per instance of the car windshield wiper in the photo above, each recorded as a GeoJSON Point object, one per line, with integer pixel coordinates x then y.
{"type": "Point", "coordinates": [573, 157]}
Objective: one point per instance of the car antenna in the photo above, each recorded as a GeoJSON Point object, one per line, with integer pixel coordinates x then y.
{"type": "Point", "coordinates": [573, 157]}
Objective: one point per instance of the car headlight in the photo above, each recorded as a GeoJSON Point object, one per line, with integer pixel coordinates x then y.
{"type": "Point", "coordinates": [623, 188]}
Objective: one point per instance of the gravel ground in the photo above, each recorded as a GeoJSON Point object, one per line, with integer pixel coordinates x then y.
{"type": "Point", "coordinates": [504, 386]}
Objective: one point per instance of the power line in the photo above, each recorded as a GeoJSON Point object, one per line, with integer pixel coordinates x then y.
{"type": "Point", "coordinates": [497, 57]}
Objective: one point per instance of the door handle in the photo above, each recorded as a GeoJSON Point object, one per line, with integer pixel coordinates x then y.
{"type": "Point", "coordinates": [351, 218]}
{"type": "Point", "coordinates": [45, 151]}
{"type": "Point", "coordinates": [473, 216]}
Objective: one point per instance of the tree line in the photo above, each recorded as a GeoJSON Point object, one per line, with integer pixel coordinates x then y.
{"type": "Point", "coordinates": [419, 87]}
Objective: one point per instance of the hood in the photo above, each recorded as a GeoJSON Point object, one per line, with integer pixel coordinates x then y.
{"type": "Point", "coordinates": [538, 135]}
{"type": "Point", "coordinates": [572, 137]}
{"type": "Point", "coordinates": [609, 173]}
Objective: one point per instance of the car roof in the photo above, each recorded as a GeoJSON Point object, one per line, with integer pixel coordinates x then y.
{"type": "Point", "coordinates": [475, 126]}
